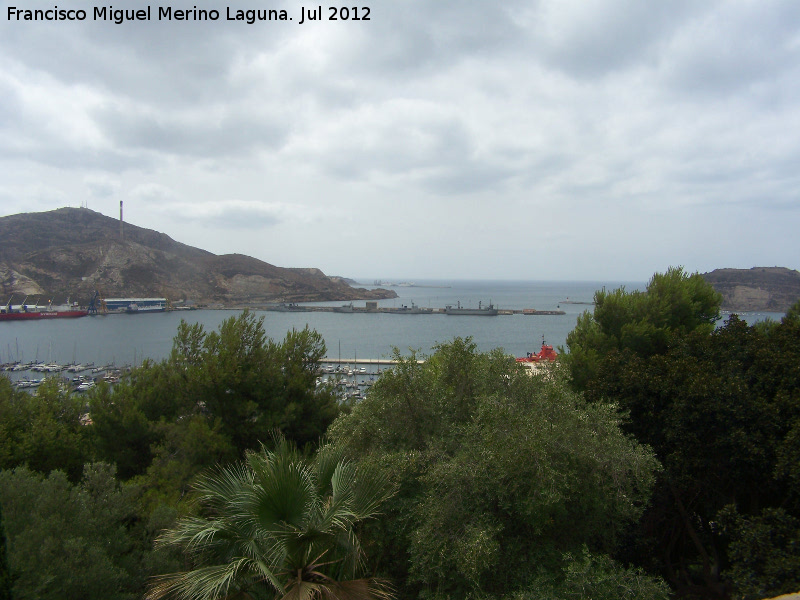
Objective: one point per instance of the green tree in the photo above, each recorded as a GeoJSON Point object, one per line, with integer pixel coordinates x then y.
{"type": "Point", "coordinates": [243, 385]}
{"type": "Point", "coordinates": [69, 540]}
{"type": "Point", "coordinates": [499, 473]}
{"type": "Point", "coordinates": [42, 430]}
{"type": "Point", "coordinates": [764, 552]}
{"type": "Point", "coordinates": [590, 577]}
{"type": "Point", "coordinates": [722, 412]}
{"type": "Point", "coordinates": [121, 432]}
{"type": "Point", "coordinates": [5, 573]}
{"type": "Point", "coordinates": [278, 523]}
{"type": "Point", "coordinates": [251, 384]}
{"type": "Point", "coordinates": [642, 322]}
{"type": "Point", "coordinates": [184, 449]}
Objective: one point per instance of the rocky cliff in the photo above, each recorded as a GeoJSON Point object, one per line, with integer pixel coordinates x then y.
{"type": "Point", "coordinates": [70, 252]}
{"type": "Point", "coordinates": [772, 289]}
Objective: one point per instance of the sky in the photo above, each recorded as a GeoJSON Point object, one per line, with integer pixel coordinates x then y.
{"type": "Point", "coordinates": [461, 139]}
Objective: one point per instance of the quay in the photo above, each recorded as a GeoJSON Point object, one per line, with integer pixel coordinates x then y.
{"type": "Point", "coordinates": [361, 361]}
{"type": "Point", "coordinates": [372, 308]}
{"type": "Point", "coordinates": [358, 361]}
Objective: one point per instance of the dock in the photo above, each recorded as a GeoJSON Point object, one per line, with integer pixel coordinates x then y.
{"type": "Point", "coordinates": [360, 361]}
{"type": "Point", "coordinates": [395, 310]}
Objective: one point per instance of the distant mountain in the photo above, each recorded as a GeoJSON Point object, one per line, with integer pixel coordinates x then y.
{"type": "Point", "coordinates": [772, 289]}
{"type": "Point", "coordinates": [71, 252]}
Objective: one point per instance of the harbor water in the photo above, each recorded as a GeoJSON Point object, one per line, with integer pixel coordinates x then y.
{"type": "Point", "coordinates": [128, 339]}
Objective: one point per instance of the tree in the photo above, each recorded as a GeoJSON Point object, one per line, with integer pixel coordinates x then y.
{"type": "Point", "coordinates": [764, 552]}
{"type": "Point", "coordinates": [69, 540]}
{"type": "Point", "coordinates": [185, 448]}
{"type": "Point", "coordinates": [499, 473]}
{"type": "Point", "coordinates": [5, 573]}
{"type": "Point", "coordinates": [641, 322]}
{"type": "Point", "coordinates": [254, 385]}
{"type": "Point", "coordinates": [721, 409]}
{"type": "Point", "coordinates": [278, 523]}
{"type": "Point", "coordinates": [243, 385]}
{"type": "Point", "coordinates": [42, 430]}
{"type": "Point", "coordinates": [590, 577]}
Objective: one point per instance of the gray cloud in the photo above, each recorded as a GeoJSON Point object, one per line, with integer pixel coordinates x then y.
{"type": "Point", "coordinates": [601, 126]}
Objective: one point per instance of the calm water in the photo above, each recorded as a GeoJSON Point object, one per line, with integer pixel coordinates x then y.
{"type": "Point", "coordinates": [128, 339]}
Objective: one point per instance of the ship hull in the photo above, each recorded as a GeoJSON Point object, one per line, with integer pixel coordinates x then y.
{"type": "Point", "coordinates": [472, 312]}
{"type": "Point", "coordinates": [44, 314]}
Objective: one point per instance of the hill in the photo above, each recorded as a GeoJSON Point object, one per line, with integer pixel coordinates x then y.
{"type": "Point", "coordinates": [71, 252]}
{"type": "Point", "coordinates": [772, 289]}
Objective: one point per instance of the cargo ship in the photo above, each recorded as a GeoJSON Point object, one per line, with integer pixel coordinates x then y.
{"type": "Point", "coordinates": [25, 312]}
{"type": "Point", "coordinates": [489, 310]}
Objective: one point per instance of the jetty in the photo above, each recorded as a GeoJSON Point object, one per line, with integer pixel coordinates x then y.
{"type": "Point", "coordinates": [373, 308]}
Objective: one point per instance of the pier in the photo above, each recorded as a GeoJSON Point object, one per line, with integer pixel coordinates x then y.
{"type": "Point", "coordinates": [359, 361]}
{"type": "Point", "coordinates": [404, 310]}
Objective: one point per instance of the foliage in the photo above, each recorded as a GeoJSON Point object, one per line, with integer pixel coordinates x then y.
{"type": "Point", "coordinates": [499, 472]}
{"type": "Point", "coordinates": [121, 432]}
{"type": "Point", "coordinates": [70, 540]}
{"type": "Point", "coordinates": [641, 322]}
{"type": "Point", "coordinates": [595, 577]}
{"type": "Point", "coordinates": [253, 385]}
{"type": "Point", "coordinates": [219, 394]}
{"type": "Point", "coordinates": [721, 410]}
{"type": "Point", "coordinates": [278, 523]}
{"type": "Point", "coordinates": [764, 552]}
{"type": "Point", "coordinates": [184, 449]}
{"type": "Point", "coordinates": [5, 573]}
{"type": "Point", "coordinates": [42, 430]}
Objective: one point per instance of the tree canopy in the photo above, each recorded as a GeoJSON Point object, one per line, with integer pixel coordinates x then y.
{"type": "Point", "coordinates": [219, 394]}
{"type": "Point", "coordinates": [499, 473]}
{"type": "Point", "coordinates": [71, 540]}
{"type": "Point", "coordinates": [640, 321]}
{"type": "Point", "coordinates": [721, 409]}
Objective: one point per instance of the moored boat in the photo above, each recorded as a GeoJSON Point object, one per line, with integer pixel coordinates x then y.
{"type": "Point", "coordinates": [135, 305]}
{"type": "Point", "coordinates": [412, 310]}
{"type": "Point", "coordinates": [489, 310]}
{"type": "Point", "coordinates": [546, 354]}
{"type": "Point", "coordinates": [25, 312]}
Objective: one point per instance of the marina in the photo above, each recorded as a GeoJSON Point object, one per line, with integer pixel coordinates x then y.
{"type": "Point", "coordinates": [350, 378]}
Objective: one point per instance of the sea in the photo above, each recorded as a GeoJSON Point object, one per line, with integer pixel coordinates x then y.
{"type": "Point", "coordinates": [129, 339]}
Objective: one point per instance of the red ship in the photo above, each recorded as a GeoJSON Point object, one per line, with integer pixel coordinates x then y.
{"type": "Point", "coordinates": [24, 312]}
{"type": "Point", "coordinates": [545, 354]}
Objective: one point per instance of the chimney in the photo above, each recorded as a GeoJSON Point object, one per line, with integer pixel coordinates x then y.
{"type": "Point", "coordinates": [120, 221]}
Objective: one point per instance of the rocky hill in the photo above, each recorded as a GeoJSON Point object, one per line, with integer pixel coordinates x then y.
{"type": "Point", "coordinates": [772, 289]}
{"type": "Point", "coordinates": [70, 252]}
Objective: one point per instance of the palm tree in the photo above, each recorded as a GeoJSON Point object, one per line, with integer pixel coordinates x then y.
{"type": "Point", "coordinates": [278, 526]}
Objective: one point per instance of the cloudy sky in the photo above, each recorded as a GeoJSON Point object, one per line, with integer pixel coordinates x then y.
{"type": "Point", "coordinates": [551, 139]}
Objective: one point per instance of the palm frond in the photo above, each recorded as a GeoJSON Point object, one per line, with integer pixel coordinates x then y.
{"type": "Point", "coordinates": [373, 488]}
{"type": "Point", "coordinates": [207, 583]}
{"type": "Point", "coordinates": [364, 589]}
{"type": "Point", "coordinates": [216, 488]}
{"type": "Point", "coordinates": [305, 590]}
{"type": "Point", "coordinates": [282, 522]}
{"type": "Point", "coordinates": [283, 490]}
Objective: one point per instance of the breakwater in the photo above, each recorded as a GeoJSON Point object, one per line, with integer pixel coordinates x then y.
{"type": "Point", "coordinates": [402, 310]}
